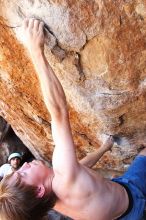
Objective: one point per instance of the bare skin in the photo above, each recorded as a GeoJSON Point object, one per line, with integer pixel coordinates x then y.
{"type": "Point", "coordinates": [92, 158]}
{"type": "Point", "coordinates": [143, 152]}
{"type": "Point", "coordinates": [15, 163]}
{"type": "Point", "coordinates": [82, 193]}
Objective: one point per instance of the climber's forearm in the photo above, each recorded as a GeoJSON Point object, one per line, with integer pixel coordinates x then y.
{"type": "Point", "coordinates": [92, 158]}
{"type": "Point", "coordinates": [53, 93]}
{"type": "Point", "coordinates": [34, 41]}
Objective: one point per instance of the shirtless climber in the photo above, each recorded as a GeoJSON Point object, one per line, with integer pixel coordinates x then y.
{"type": "Point", "coordinates": [89, 161]}
{"type": "Point", "coordinates": [70, 187]}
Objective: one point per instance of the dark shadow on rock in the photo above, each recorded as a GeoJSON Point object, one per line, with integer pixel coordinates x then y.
{"type": "Point", "coordinates": [9, 143]}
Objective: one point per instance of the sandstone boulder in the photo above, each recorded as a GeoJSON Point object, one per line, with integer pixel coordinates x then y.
{"type": "Point", "coordinates": [98, 51]}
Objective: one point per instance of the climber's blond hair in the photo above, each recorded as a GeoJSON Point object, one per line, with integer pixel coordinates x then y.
{"type": "Point", "coordinates": [19, 201]}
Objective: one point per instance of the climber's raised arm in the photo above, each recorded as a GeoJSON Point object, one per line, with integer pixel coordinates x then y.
{"type": "Point", "coordinates": [64, 157]}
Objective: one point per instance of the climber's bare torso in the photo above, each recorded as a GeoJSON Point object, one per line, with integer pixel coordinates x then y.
{"type": "Point", "coordinates": [90, 196]}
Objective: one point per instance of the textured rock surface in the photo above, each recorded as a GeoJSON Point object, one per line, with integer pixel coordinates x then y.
{"type": "Point", "coordinates": [10, 143]}
{"type": "Point", "coordinates": [98, 51]}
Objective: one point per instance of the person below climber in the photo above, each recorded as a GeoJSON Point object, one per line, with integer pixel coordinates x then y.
{"type": "Point", "coordinates": [69, 187]}
{"type": "Point", "coordinates": [14, 160]}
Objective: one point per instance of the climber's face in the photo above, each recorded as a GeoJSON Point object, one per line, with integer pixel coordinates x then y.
{"type": "Point", "coordinates": [36, 174]}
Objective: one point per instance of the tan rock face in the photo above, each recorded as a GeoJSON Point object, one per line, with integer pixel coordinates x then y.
{"type": "Point", "coordinates": [98, 51]}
